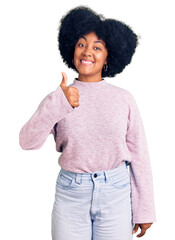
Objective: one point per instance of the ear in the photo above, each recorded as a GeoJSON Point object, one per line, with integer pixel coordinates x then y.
{"type": "Point", "coordinates": [106, 60]}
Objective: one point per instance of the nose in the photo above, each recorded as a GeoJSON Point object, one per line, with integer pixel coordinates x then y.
{"type": "Point", "coordinates": [87, 52]}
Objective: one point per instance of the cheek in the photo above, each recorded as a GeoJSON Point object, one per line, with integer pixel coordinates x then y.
{"type": "Point", "coordinates": [75, 59]}
{"type": "Point", "coordinates": [76, 55]}
{"type": "Point", "coordinates": [101, 58]}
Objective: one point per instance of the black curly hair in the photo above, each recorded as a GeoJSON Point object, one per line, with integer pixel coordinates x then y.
{"type": "Point", "coordinates": [119, 38]}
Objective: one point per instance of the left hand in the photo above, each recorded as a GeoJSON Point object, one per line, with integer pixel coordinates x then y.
{"type": "Point", "coordinates": [143, 226]}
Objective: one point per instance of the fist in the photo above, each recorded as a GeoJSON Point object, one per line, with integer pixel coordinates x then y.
{"type": "Point", "coordinates": [71, 93]}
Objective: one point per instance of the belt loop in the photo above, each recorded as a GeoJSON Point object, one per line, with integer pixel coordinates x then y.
{"type": "Point", "coordinates": [127, 163]}
{"type": "Point", "coordinates": [106, 176]}
{"type": "Point", "coordinates": [78, 178]}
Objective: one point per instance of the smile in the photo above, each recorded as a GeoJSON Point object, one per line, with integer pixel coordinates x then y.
{"type": "Point", "coordinates": [86, 62]}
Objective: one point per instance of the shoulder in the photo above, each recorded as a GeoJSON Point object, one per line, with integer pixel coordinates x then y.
{"type": "Point", "coordinates": [122, 92]}
{"type": "Point", "coordinates": [124, 96]}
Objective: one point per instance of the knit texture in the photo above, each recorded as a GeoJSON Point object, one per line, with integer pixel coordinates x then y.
{"type": "Point", "coordinates": [104, 130]}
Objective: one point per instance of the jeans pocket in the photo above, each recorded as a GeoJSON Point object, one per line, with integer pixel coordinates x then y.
{"type": "Point", "coordinates": [121, 182]}
{"type": "Point", "coordinates": [64, 181]}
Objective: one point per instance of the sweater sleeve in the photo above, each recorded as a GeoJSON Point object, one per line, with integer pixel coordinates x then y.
{"type": "Point", "coordinates": [52, 109]}
{"type": "Point", "coordinates": [142, 195]}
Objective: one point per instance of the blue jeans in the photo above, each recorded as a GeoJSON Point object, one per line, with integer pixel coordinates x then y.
{"type": "Point", "coordinates": [93, 206]}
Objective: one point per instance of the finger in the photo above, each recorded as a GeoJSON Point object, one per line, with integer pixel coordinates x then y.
{"type": "Point", "coordinates": [143, 231]}
{"type": "Point", "coordinates": [74, 93]}
{"type": "Point", "coordinates": [75, 90]}
{"type": "Point", "coordinates": [76, 99]}
{"type": "Point", "coordinates": [64, 79]}
{"type": "Point", "coordinates": [76, 104]}
{"type": "Point", "coordinates": [135, 228]}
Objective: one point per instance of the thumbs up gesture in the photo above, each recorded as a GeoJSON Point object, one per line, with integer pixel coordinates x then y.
{"type": "Point", "coordinates": [71, 93]}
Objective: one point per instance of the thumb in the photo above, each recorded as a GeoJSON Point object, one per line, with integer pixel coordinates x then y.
{"type": "Point", "coordinates": [135, 228]}
{"type": "Point", "coordinates": [64, 80]}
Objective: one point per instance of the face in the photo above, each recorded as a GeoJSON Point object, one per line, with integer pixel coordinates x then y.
{"type": "Point", "coordinates": [90, 56]}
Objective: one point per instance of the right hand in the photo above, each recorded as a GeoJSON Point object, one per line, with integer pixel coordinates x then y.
{"type": "Point", "coordinates": [71, 93]}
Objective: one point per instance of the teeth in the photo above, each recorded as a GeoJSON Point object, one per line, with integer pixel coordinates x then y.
{"type": "Point", "coordinates": [87, 62]}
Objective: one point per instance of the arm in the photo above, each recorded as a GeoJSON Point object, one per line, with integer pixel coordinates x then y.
{"type": "Point", "coordinates": [52, 109]}
{"type": "Point", "coordinates": [140, 167]}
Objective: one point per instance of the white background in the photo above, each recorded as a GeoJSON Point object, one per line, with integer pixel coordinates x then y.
{"type": "Point", "coordinates": [31, 68]}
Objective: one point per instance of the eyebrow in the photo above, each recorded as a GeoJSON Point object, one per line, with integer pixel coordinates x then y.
{"type": "Point", "coordinates": [98, 41]}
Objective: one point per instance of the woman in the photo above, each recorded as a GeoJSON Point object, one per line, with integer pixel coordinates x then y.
{"type": "Point", "coordinates": [98, 128]}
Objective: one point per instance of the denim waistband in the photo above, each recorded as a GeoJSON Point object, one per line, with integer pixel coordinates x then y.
{"type": "Point", "coordinates": [106, 174]}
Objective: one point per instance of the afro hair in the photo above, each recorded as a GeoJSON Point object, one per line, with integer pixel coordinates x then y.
{"type": "Point", "coordinates": [119, 38]}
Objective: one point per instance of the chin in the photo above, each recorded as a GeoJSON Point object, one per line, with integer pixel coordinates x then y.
{"type": "Point", "coordinates": [86, 73]}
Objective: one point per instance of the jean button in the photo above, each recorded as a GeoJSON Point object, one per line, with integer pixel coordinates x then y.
{"type": "Point", "coordinates": [95, 175]}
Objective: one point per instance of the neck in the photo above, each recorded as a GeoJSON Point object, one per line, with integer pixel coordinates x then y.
{"type": "Point", "coordinates": [84, 78]}
{"type": "Point", "coordinates": [96, 85]}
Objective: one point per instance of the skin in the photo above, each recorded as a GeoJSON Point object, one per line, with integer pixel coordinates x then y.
{"type": "Point", "coordinates": [89, 47]}
{"type": "Point", "coordinates": [71, 93]}
{"type": "Point", "coordinates": [143, 227]}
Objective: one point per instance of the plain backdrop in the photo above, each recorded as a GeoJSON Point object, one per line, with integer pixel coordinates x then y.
{"type": "Point", "coordinates": [31, 68]}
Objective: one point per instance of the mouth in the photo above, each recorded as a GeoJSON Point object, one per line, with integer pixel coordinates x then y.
{"type": "Point", "coordinates": [86, 62]}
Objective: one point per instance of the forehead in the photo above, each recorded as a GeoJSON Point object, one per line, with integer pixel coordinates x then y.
{"type": "Point", "coordinates": [92, 37]}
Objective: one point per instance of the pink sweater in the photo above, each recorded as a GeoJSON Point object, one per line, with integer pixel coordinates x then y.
{"type": "Point", "coordinates": [103, 131]}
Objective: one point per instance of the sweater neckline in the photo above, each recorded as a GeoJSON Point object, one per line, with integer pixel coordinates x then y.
{"type": "Point", "coordinates": [94, 85]}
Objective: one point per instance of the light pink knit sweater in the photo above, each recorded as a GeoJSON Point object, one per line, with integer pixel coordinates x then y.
{"type": "Point", "coordinates": [103, 131]}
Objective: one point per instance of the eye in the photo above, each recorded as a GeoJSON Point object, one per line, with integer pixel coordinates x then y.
{"type": "Point", "coordinates": [80, 44]}
{"type": "Point", "coordinates": [97, 48]}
